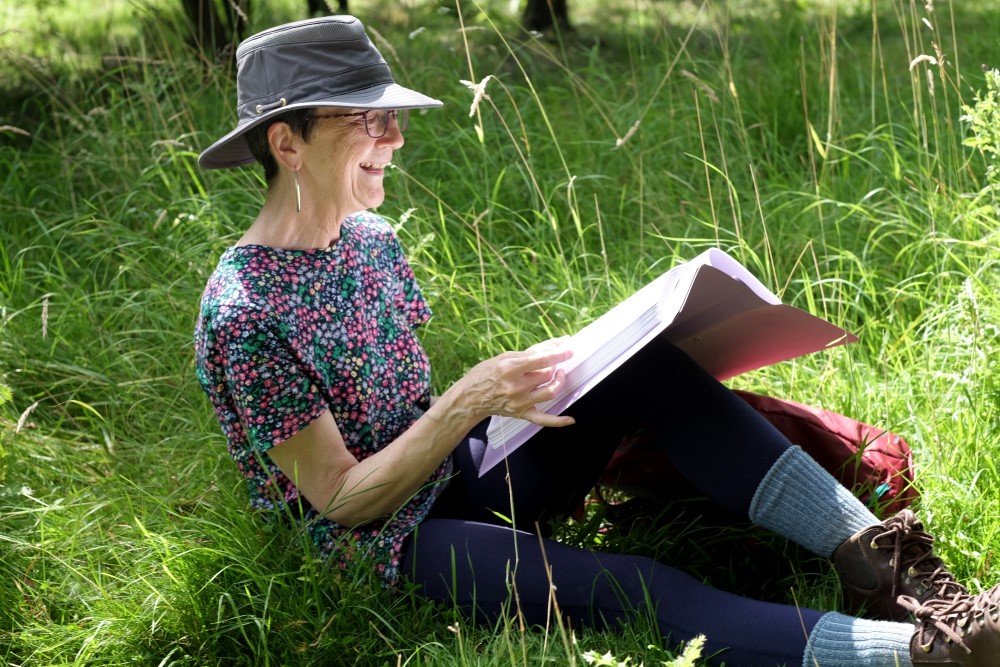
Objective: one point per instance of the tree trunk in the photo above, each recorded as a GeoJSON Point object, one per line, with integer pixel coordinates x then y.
{"type": "Point", "coordinates": [208, 32]}
{"type": "Point", "coordinates": [542, 15]}
{"type": "Point", "coordinates": [322, 7]}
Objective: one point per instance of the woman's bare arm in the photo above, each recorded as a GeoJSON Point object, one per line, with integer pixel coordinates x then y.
{"type": "Point", "coordinates": [353, 492]}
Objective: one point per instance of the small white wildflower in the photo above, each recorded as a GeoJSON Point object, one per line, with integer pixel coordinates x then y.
{"type": "Point", "coordinates": [406, 215]}
{"type": "Point", "coordinates": [479, 90]}
{"type": "Point", "coordinates": [607, 660]}
{"type": "Point", "coordinates": [417, 32]}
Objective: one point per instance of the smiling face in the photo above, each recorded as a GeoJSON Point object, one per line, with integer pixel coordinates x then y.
{"type": "Point", "coordinates": [341, 161]}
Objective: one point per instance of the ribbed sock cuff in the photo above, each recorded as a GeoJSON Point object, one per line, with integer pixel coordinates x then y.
{"type": "Point", "coordinates": [799, 499]}
{"type": "Point", "coordinates": [844, 641]}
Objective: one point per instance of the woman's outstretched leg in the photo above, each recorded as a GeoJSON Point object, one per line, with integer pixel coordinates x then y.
{"type": "Point", "coordinates": [477, 567]}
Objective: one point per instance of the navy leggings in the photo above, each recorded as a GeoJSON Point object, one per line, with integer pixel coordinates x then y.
{"type": "Point", "coordinates": [464, 554]}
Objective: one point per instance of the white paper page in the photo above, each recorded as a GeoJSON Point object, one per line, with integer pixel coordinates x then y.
{"type": "Point", "coordinates": [631, 324]}
{"type": "Point", "coordinates": [722, 261]}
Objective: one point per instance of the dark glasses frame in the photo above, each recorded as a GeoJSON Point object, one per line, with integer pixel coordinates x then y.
{"type": "Point", "coordinates": [402, 117]}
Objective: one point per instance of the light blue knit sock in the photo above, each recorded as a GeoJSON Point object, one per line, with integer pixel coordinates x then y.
{"type": "Point", "coordinates": [844, 641]}
{"type": "Point", "coordinates": [799, 499]}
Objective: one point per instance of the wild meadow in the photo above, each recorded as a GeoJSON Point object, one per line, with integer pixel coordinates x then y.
{"type": "Point", "coordinates": [844, 151]}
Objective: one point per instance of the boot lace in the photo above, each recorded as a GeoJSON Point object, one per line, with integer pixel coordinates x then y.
{"type": "Point", "coordinates": [913, 554]}
{"type": "Point", "coordinates": [955, 618]}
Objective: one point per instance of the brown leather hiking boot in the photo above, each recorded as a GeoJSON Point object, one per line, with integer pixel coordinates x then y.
{"type": "Point", "coordinates": [961, 632]}
{"type": "Point", "coordinates": [882, 562]}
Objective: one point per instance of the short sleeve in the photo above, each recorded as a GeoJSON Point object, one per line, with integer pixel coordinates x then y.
{"type": "Point", "coordinates": [271, 390]}
{"type": "Point", "coordinates": [412, 298]}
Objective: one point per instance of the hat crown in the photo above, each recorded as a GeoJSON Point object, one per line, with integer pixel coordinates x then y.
{"type": "Point", "coordinates": [306, 61]}
{"type": "Point", "coordinates": [324, 29]}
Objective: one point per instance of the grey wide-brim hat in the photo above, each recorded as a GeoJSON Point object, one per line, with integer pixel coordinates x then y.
{"type": "Point", "coordinates": [321, 62]}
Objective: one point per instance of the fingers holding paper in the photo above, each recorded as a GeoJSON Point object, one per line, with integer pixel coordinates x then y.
{"type": "Point", "coordinates": [512, 384]}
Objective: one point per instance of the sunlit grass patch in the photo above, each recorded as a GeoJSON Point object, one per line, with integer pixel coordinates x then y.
{"type": "Point", "coordinates": [820, 145]}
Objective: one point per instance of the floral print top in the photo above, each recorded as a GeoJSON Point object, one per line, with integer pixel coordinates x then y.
{"type": "Point", "coordinates": [284, 335]}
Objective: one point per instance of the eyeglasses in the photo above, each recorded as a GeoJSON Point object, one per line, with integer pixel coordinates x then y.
{"type": "Point", "coordinates": [376, 120]}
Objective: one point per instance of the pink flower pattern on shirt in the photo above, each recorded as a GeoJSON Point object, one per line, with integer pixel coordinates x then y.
{"type": "Point", "coordinates": [284, 335]}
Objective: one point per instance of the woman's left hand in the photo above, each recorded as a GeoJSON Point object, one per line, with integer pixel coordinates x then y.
{"type": "Point", "coordinates": [513, 384]}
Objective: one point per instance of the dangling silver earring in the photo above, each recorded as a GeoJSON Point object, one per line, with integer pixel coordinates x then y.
{"type": "Point", "coordinates": [298, 193]}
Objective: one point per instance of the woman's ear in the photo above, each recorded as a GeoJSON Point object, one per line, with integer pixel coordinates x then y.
{"type": "Point", "coordinates": [285, 145]}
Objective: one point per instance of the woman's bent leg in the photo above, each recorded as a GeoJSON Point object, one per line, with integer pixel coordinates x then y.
{"type": "Point", "coordinates": [544, 480]}
{"type": "Point", "coordinates": [713, 437]}
{"type": "Point", "coordinates": [470, 565]}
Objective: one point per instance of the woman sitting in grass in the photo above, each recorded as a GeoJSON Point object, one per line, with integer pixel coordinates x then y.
{"type": "Point", "coordinates": [307, 348]}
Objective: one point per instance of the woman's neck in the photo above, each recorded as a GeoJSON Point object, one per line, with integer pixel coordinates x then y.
{"type": "Point", "coordinates": [280, 225]}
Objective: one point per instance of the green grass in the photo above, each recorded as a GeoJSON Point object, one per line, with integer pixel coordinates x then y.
{"type": "Point", "coordinates": [795, 135]}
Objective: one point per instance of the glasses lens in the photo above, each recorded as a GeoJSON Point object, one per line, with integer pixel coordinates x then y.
{"type": "Point", "coordinates": [377, 122]}
{"type": "Point", "coordinates": [403, 119]}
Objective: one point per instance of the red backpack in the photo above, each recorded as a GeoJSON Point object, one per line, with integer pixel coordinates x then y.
{"type": "Point", "coordinates": [875, 464]}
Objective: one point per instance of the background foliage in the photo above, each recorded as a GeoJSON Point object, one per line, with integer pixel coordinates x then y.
{"type": "Point", "coordinates": [844, 151]}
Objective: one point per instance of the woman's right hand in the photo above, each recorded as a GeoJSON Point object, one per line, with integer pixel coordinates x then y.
{"type": "Point", "coordinates": [514, 383]}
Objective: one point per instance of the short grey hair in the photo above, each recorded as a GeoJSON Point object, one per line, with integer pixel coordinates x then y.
{"type": "Point", "coordinates": [301, 123]}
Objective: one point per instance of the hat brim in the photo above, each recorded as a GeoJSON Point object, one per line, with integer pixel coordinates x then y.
{"type": "Point", "coordinates": [232, 150]}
